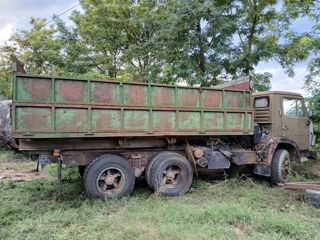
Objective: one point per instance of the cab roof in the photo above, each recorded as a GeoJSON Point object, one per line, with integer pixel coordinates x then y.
{"type": "Point", "coordinates": [276, 92]}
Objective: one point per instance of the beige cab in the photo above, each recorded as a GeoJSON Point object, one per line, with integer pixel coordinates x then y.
{"type": "Point", "coordinates": [284, 114]}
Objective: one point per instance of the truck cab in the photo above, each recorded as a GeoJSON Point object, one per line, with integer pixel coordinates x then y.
{"type": "Point", "coordinates": [284, 116]}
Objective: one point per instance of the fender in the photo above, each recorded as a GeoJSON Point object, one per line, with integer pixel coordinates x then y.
{"type": "Point", "coordinates": [268, 145]}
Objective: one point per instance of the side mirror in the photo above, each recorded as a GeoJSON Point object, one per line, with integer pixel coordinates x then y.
{"type": "Point", "coordinates": [310, 113]}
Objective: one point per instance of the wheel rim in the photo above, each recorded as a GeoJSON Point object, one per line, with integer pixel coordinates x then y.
{"type": "Point", "coordinates": [285, 168]}
{"type": "Point", "coordinates": [110, 181]}
{"type": "Point", "coordinates": [172, 176]}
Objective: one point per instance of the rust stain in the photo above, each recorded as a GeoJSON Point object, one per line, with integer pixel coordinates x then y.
{"type": "Point", "coordinates": [34, 119]}
{"type": "Point", "coordinates": [71, 120]}
{"type": "Point", "coordinates": [235, 102]}
{"type": "Point", "coordinates": [104, 93]}
{"type": "Point", "coordinates": [163, 122]}
{"type": "Point", "coordinates": [212, 99]}
{"type": "Point", "coordinates": [136, 95]}
{"type": "Point", "coordinates": [72, 91]}
{"type": "Point", "coordinates": [39, 89]}
{"type": "Point", "coordinates": [163, 96]}
{"type": "Point", "coordinates": [248, 101]}
{"type": "Point", "coordinates": [188, 97]}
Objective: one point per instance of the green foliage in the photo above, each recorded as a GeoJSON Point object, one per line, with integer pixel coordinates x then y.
{"type": "Point", "coordinates": [313, 104]}
{"type": "Point", "coordinates": [197, 41]}
{"type": "Point", "coordinates": [118, 35]}
{"type": "Point", "coordinates": [5, 76]}
{"type": "Point", "coordinates": [39, 49]}
{"type": "Point", "coordinates": [261, 81]}
{"type": "Point", "coordinates": [194, 39]}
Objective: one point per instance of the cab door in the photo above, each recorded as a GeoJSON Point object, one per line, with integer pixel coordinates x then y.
{"type": "Point", "coordinates": [294, 121]}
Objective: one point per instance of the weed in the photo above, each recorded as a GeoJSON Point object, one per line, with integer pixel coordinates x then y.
{"type": "Point", "coordinates": [214, 208]}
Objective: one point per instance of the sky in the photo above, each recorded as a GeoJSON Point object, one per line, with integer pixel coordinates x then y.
{"type": "Point", "coordinates": [15, 14]}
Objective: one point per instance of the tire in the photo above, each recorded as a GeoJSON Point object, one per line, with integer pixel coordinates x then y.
{"type": "Point", "coordinates": [81, 169]}
{"type": "Point", "coordinates": [149, 166]}
{"type": "Point", "coordinates": [171, 174]}
{"type": "Point", "coordinates": [280, 167]}
{"type": "Point", "coordinates": [109, 176]}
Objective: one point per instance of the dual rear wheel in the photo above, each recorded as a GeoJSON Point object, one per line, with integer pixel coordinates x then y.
{"type": "Point", "coordinates": [111, 176]}
{"type": "Point", "coordinates": [169, 173]}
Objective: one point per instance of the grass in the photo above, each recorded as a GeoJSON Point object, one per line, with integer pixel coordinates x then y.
{"type": "Point", "coordinates": [214, 208]}
{"type": "Point", "coordinates": [11, 154]}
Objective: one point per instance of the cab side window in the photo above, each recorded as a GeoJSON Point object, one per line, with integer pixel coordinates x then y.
{"type": "Point", "coordinates": [261, 102]}
{"type": "Point", "coordinates": [300, 109]}
{"type": "Point", "coordinates": [292, 107]}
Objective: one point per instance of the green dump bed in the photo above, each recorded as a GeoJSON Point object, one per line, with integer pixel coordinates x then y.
{"type": "Point", "coordinates": [59, 107]}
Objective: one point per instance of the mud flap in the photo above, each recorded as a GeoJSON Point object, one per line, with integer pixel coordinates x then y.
{"type": "Point", "coordinates": [217, 160]}
{"type": "Point", "coordinates": [313, 155]}
{"type": "Point", "coordinates": [262, 170]}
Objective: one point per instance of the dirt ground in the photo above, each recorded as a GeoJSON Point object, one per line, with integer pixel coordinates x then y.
{"type": "Point", "coordinates": [20, 170]}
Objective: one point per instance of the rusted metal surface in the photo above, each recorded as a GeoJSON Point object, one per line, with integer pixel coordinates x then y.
{"type": "Point", "coordinates": [138, 162]}
{"type": "Point", "coordinates": [110, 181]}
{"type": "Point", "coordinates": [190, 157]}
{"type": "Point", "coordinates": [197, 152]}
{"type": "Point", "coordinates": [18, 65]}
{"type": "Point", "coordinates": [59, 107]}
{"type": "Point", "coordinates": [242, 157]}
{"type": "Point", "coordinates": [267, 146]}
{"type": "Point", "coordinates": [301, 185]}
{"type": "Point", "coordinates": [237, 84]}
{"type": "Point", "coordinates": [79, 144]}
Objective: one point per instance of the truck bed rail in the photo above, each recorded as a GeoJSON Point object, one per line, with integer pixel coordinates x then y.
{"type": "Point", "coordinates": [60, 107]}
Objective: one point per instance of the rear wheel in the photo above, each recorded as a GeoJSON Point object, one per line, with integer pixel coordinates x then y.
{"type": "Point", "coordinates": [171, 174]}
{"type": "Point", "coordinates": [149, 167]}
{"type": "Point", "coordinates": [281, 167]}
{"type": "Point", "coordinates": [109, 176]}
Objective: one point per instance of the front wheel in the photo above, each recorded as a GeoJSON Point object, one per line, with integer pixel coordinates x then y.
{"type": "Point", "coordinates": [281, 167]}
{"type": "Point", "coordinates": [109, 176]}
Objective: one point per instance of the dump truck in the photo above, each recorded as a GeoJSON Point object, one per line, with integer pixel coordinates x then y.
{"type": "Point", "coordinates": [116, 131]}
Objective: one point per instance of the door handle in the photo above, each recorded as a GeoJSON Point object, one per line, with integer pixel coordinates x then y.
{"type": "Point", "coordinates": [285, 128]}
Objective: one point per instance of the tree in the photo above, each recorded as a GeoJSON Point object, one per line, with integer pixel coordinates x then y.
{"type": "Point", "coordinates": [260, 81]}
{"type": "Point", "coordinates": [264, 34]}
{"type": "Point", "coordinates": [39, 49]}
{"type": "Point", "coordinates": [117, 32]}
{"type": "Point", "coordinates": [194, 40]}
{"type": "Point", "coordinates": [5, 72]}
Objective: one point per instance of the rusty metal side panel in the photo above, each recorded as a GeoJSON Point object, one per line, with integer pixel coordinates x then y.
{"type": "Point", "coordinates": [135, 94]}
{"type": "Point", "coordinates": [163, 121]}
{"type": "Point", "coordinates": [213, 121]}
{"type": "Point", "coordinates": [34, 89]}
{"type": "Point", "coordinates": [136, 120]}
{"type": "Point", "coordinates": [188, 97]}
{"type": "Point", "coordinates": [189, 121]}
{"type": "Point", "coordinates": [234, 99]}
{"type": "Point", "coordinates": [68, 119]}
{"type": "Point", "coordinates": [212, 98]}
{"type": "Point", "coordinates": [106, 120]}
{"type": "Point", "coordinates": [235, 121]}
{"type": "Point", "coordinates": [162, 96]}
{"type": "Point", "coordinates": [33, 118]}
{"type": "Point", "coordinates": [71, 91]}
{"type": "Point", "coordinates": [60, 107]}
{"type": "Point", "coordinates": [104, 92]}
